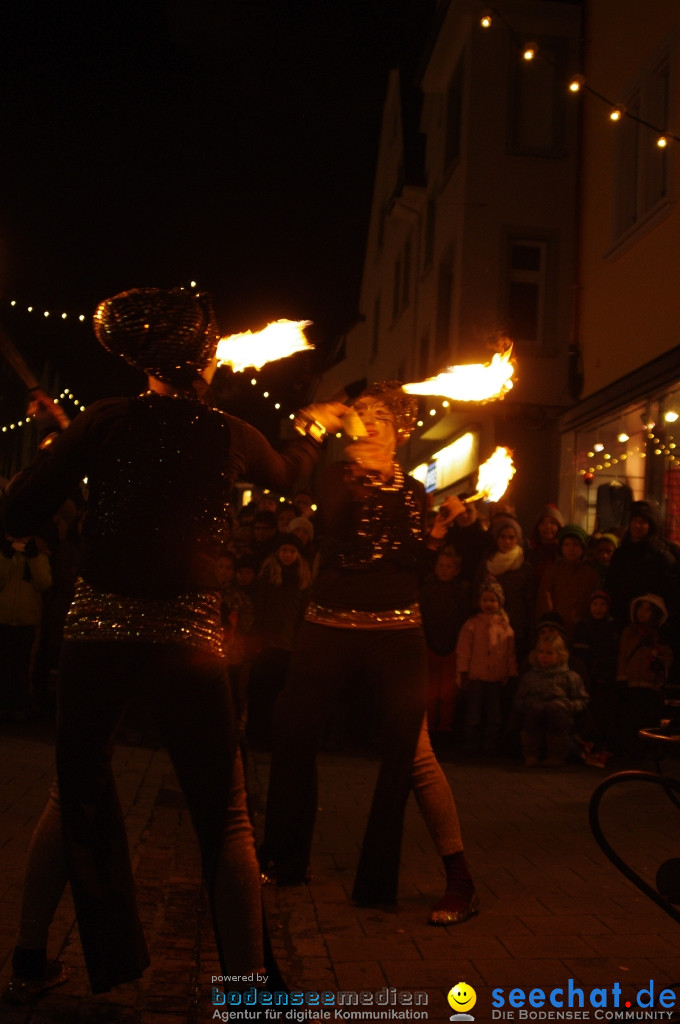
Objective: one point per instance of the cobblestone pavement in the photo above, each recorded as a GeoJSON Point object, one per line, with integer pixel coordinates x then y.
{"type": "Point", "coordinates": [553, 907]}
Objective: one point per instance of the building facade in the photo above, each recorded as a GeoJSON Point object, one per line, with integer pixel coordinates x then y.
{"type": "Point", "coordinates": [619, 442]}
{"type": "Point", "coordinates": [472, 239]}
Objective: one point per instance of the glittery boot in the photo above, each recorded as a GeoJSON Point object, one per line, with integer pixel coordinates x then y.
{"type": "Point", "coordinates": [460, 901]}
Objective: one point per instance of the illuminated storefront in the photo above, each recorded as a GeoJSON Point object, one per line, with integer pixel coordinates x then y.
{"type": "Point", "coordinates": [623, 444]}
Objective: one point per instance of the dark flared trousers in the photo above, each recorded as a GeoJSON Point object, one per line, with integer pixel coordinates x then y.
{"type": "Point", "coordinates": [188, 693]}
{"type": "Point", "coordinates": [392, 663]}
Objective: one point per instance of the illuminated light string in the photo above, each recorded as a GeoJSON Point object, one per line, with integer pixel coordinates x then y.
{"type": "Point", "coordinates": [78, 317]}
{"type": "Point", "coordinates": [577, 83]}
{"type": "Point", "coordinates": [54, 314]}
{"type": "Point", "coordinates": [66, 395]}
{"type": "Point", "coordinates": [609, 461]}
{"type": "Point", "coordinates": [85, 318]}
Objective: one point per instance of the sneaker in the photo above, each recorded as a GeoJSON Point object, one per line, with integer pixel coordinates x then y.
{"type": "Point", "coordinates": [21, 991]}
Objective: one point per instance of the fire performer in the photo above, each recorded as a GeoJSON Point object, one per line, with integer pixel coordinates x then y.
{"type": "Point", "coordinates": [364, 619]}
{"type": "Point", "coordinates": [145, 622]}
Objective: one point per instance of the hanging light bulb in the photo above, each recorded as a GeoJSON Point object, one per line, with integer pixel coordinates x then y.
{"type": "Point", "coordinates": [577, 83]}
{"type": "Point", "coordinates": [529, 51]}
{"type": "Point", "coordinates": [486, 19]}
{"type": "Point", "coordinates": [662, 141]}
{"type": "Point", "coordinates": [617, 112]}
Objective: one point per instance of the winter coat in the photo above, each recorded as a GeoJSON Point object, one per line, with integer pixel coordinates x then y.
{"type": "Point", "coordinates": [597, 642]}
{"type": "Point", "coordinates": [643, 661]}
{"type": "Point", "coordinates": [444, 607]}
{"type": "Point", "coordinates": [486, 648]}
{"type": "Point", "coordinates": [565, 588]}
{"type": "Point", "coordinates": [558, 684]}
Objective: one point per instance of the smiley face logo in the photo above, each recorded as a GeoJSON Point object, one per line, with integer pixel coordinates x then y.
{"type": "Point", "coordinates": [462, 997]}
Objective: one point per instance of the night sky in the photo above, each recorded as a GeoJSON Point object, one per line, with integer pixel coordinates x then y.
{"type": "Point", "coordinates": [162, 141]}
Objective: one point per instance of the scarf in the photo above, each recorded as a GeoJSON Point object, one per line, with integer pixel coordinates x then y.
{"type": "Point", "coordinates": [505, 561]}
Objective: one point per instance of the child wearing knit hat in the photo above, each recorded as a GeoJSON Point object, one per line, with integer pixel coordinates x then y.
{"type": "Point", "coordinates": [549, 695]}
{"type": "Point", "coordinates": [643, 664]}
{"type": "Point", "coordinates": [543, 543]}
{"type": "Point", "coordinates": [486, 661]}
{"type": "Point", "coordinates": [566, 585]}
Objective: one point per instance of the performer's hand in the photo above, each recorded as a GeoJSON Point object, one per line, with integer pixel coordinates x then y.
{"type": "Point", "coordinates": [450, 509]}
{"type": "Point", "coordinates": [328, 414]}
{"type": "Point", "coordinates": [369, 454]}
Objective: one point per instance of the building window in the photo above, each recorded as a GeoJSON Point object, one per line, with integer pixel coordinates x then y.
{"type": "Point", "coordinates": [454, 114]}
{"type": "Point", "coordinates": [526, 290]}
{"type": "Point", "coordinates": [423, 368]}
{"type": "Point", "coordinates": [406, 278]}
{"type": "Point", "coordinates": [402, 281]}
{"type": "Point", "coordinates": [537, 101]}
{"type": "Point", "coordinates": [430, 221]}
{"type": "Point", "coordinates": [396, 289]}
{"type": "Point", "coordinates": [375, 336]}
{"type": "Point", "coordinates": [641, 168]}
{"type": "Point", "coordinates": [444, 302]}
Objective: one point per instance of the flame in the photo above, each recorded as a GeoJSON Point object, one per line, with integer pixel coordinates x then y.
{"type": "Point", "coordinates": [470, 382]}
{"type": "Point", "coordinates": [275, 341]}
{"type": "Point", "coordinates": [494, 475]}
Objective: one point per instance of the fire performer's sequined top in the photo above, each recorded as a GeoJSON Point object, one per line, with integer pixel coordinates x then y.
{"type": "Point", "coordinates": [370, 536]}
{"type": "Point", "coordinates": [159, 472]}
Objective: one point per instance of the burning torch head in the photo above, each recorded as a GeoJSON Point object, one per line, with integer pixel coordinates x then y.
{"type": "Point", "coordinates": [403, 407]}
{"type": "Point", "coordinates": [169, 334]}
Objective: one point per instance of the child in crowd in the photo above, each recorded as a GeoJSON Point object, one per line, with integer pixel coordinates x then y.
{"type": "Point", "coordinates": [444, 601]}
{"type": "Point", "coordinates": [543, 544]}
{"type": "Point", "coordinates": [507, 564]}
{"type": "Point", "coordinates": [643, 666]}
{"type": "Point", "coordinates": [567, 584]}
{"type": "Point", "coordinates": [246, 574]}
{"type": "Point", "coordinates": [548, 697]}
{"type": "Point", "coordinates": [602, 547]}
{"type": "Point", "coordinates": [486, 661]}
{"type": "Point", "coordinates": [303, 529]}
{"type": "Point", "coordinates": [596, 642]}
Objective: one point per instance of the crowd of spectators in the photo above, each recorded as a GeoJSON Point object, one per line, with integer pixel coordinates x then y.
{"type": "Point", "coordinates": [612, 600]}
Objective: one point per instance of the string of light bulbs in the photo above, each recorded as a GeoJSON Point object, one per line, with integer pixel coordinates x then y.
{"type": "Point", "coordinates": [577, 83]}
{"type": "Point", "coordinates": [65, 396]}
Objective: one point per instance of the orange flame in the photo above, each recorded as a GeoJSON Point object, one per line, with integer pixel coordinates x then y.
{"type": "Point", "coordinates": [470, 382]}
{"type": "Point", "coordinates": [494, 476]}
{"type": "Point", "coordinates": [255, 348]}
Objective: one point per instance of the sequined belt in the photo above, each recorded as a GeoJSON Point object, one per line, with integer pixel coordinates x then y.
{"type": "Point", "coordinates": [354, 618]}
{"type": "Point", "coordinates": [191, 619]}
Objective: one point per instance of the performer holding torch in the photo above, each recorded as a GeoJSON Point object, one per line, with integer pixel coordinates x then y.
{"type": "Point", "coordinates": [146, 622]}
{"type": "Point", "coordinates": [364, 621]}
